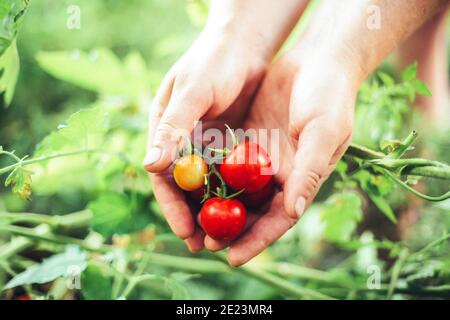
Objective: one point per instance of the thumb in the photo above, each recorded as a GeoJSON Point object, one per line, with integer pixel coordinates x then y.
{"type": "Point", "coordinates": [177, 121]}
{"type": "Point", "coordinates": [312, 165]}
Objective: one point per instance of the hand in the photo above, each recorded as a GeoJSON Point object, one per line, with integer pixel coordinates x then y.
{"type": "Point", "coordinates": [215, 79]}
{"type": "Point", "coordinates": [314, 113]}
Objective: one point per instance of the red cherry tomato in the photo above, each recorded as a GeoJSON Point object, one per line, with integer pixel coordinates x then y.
{"type": "Point", "coordinates": [189, 172]}
{"type": "Point", "coordinates": [223, 219]}
{"type": "Point", "coordinates": [246, 167]}
{"type": "Point", "coordinates": [23, 297]}
{"type": "Point", "coordinates": [258, 198]}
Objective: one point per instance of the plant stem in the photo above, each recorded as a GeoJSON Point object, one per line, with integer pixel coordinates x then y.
{"type": "Point", "coordinates": [188, 264]}
{"type": "Point", "coordinates": [49, 157]}
{"type": "Point", "coordinates": [69, 221]}
{"type": "Point", "coordinates": [291, 270]}
{"type": "Point", "coordinates": [15, 246]}
{"type": "Point", "coordinates": [428, 171]}
{"type": "Point", "coordinates": [284, 286]}
{"type": "Point", "coordinates": [395, 274]}
{"type": "Point", "coordinates": [363, 152]}
{"type": "Point", "coordinates": [429, 246]}
{"type": "Point", "coordinates": [26, 232]}
{"type": "Point", "coordinates": [210, 266]}
{"type": "Point", "coordinates": [406, 144]}
{"type": "Point", "coordinates": [10, 154]}
{"type": "Point", "coordinates": [134, 281]}
{"type": "Point", "coordinates": [412, 190]}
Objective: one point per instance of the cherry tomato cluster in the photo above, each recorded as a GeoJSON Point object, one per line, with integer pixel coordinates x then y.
{"type": "Point", "coordinates": [245, 170]}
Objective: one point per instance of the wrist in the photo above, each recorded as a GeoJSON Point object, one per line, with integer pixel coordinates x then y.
{"type": "Point", "coordinates": [341, 61]}
{"type": "Point", "coordinates": [233, 23]}
{"type": "Point", "coordinates": [229, 34]}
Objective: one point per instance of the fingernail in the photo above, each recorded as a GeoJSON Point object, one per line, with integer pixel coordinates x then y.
{"type": "Point", "coordinates": [153, 155]}
{"type": "Point", "coordinates": [300, 207]}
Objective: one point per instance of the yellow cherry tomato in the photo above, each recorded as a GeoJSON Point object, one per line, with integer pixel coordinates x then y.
{"type": "Point", "coordinates": [189, 172]}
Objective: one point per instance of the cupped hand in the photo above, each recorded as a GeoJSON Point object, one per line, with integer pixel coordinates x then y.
{"type": "Point", "coordinates": [215, 79]}
{"type": "Point", "coordinates": [310, 101]}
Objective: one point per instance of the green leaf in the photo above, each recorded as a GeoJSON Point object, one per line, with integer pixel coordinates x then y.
{"type": "Point", "coordinates": [341, 167]}
{"type": "Point", "coordinates": [410, 72]}
{"type": "Point", "coordinates": [383, 205]}
{"type": "Point", "coordinates": [100, 71]}
{"type": "Point", "coordinates": [376, 187]}
{"type": "Point", "coordinates": [20, 180]}
{"type": "Point", "coordinates": [9, 68]}
{"type": "Point", "coordinates": [385, 78]}
{"type": "Point", "coordinates": [421, 88]}
{"type": "Point", "coordinates": [410, 91]}
{"type": "Point", "coordinates": [341, 214]}
{"type": "Point", "coordinates": [4, 8]}
{"type": "Point", "coordinates": [11, 16]}
{"type": "Point", "coordinates": [117, 213]}
{"type": "Point", "coordinates": [96, 284]}
{"type": "Point", "coordinates": [176, 284]}
{"type": "Point", "coordinates": [83, 130]}
{"type": "Point", "coordinates": [57, 266]}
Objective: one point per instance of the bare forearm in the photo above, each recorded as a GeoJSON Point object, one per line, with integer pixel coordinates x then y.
{"type": "Point", "coordinates": [261, 24]}
{"type": "Point", "coordinates": [363, 32]}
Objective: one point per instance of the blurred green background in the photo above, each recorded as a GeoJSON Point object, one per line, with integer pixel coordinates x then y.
{"type": "Point", "coordinates": [315, 255]}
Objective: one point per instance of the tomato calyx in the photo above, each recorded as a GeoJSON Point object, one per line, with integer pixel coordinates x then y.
{"type": "Point", "coordinates": [222, 191]}
{"type": "Point", "coordinates": [222, 153]}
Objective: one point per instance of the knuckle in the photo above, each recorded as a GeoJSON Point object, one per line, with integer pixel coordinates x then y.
{"type": "Point", "coordinates": [182, 79]}
{"type": "Point", "coordinates": [291, 221]}
{"type": "Point", "coordinates": [173, 206]}
{"type": "Point", "coordinates": [311, 180]}
{"type": "Point", "coordinates": [164, 132]}
{"type": "Point", "coordinates": [294, 131]}
{"type": "Point", "coordinates": [234, 259]}
{"type": "Point", "coordinates": [264, 242]}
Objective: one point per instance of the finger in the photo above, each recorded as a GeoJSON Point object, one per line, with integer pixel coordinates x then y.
{"type": "Point", "coordinates": [215, 245]}
{"type": "Point", "coordinates": [264, 232]}
{"type": "Point", "coordinates": [195, 242]}
{"type": "Point", "coordinates": [312, 165]}
{"type": "Point", "coordinates": [173, 205]}
{"type": "Point", "coordinates": [187, 105]}
{"type": "Point", "coordinates": [157, 108]}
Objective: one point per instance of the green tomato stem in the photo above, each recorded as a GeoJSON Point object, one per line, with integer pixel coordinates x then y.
{"type": "Point", "coordinates": [392, 176]}
{"type": "Point", "coordinates": [15, 246]}
{"type": "Point", "coordinates": [406, 144]}
{"type": "Point", "coordinates": [49, 157]}
{"type": "Point", "coordinates": [30, 233]}
{"type": "Point", "coordinates": [364, 153]}
{"type": "Point", "coordinates": [233, 136]}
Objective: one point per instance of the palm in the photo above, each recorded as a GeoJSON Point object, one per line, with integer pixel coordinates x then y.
{"type": "Point", "coordinates": [269, 111]}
